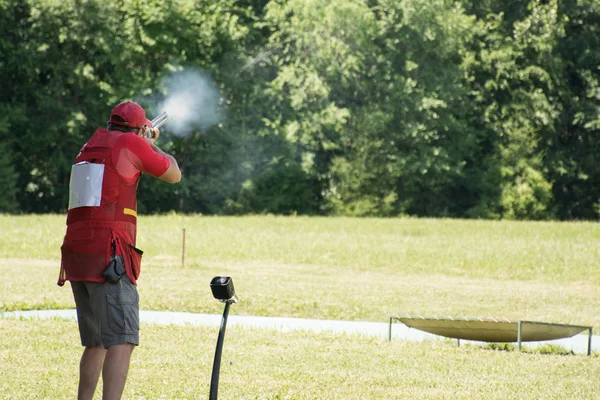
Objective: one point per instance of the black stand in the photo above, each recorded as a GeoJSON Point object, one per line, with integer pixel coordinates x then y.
{"type": "Point", "coordinates": [214, 381]}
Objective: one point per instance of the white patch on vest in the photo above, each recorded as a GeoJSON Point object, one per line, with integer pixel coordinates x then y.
{"type": "Point", "coordinates": [86, 185]}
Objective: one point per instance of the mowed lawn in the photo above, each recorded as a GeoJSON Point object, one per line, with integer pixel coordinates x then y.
{"type": "Point", "coordinates": [40, 360]}
{"type": "Point", "coordinates": [325, 268]}
{"type": "Point", "coordinates": [334, 268]}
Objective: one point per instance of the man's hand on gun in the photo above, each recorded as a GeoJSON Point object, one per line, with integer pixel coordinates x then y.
{"type": "Point", "coordinates": [154, 132]}
{"type": "Point", "coordinates": [151, 134]}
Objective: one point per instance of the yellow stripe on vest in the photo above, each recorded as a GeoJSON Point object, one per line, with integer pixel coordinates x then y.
{"type": "Point", "coordinates": [129, 211]}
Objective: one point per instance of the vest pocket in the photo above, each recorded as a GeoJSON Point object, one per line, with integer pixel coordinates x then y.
{"type": "Point", "coordinates": [123, 312]}
{"type": "Point", "coordinates": [136, 260]}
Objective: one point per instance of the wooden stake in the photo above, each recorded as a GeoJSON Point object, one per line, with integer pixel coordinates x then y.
{"type": "Point", "coordinates": [183, 249]}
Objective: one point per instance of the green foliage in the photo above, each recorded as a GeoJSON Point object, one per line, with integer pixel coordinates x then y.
{"type": "Point", "coordinates": [483, 109]}
{"type": "Point", "coordinates": [554, 349]}
{"type": "Point", "coordinates": [280, 189]}
{"type": "Point", "coordinates": [501, 346]}
{"type": "Point", "coordinates": [517, 93]}
{"type": "Point", "coordinates": [8, 175]}
{"type": "Point", "coordinates": [573, 153]}
{"type": "Point", "coordinates": [527, 196]}
{"type": "Point", "coordinates": [543, 349]}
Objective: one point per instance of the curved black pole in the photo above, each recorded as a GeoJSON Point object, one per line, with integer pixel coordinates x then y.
{"type": "Point", "coordinates": [214, 380]}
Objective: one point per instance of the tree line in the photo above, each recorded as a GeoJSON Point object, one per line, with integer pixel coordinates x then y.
{"type": "Point", "coordinates": [439, 108]}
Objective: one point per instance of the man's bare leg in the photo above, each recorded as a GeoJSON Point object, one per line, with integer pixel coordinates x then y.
{"type": "Point", "coordinates": [89, 371]}
{"type": "Point", "coordinates": [114, 371]}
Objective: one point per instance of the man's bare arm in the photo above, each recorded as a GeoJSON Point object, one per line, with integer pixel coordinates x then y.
{"type": "Point", "coordinates": [173, 173]}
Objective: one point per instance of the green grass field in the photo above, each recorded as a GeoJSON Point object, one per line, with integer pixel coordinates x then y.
{"type": "Point", "coordinates": [325, 268]}
{"type": "Point", "coordinates": [175, 363]}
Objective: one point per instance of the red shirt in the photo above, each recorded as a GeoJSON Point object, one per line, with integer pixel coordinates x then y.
{"type": "Point", "coordinates": [134, 155]}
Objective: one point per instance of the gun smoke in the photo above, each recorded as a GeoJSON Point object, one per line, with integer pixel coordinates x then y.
{"type": "Point", "coordinates": [192, 102]}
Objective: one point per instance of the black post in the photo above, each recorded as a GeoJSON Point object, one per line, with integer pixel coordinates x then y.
{"type": "Point", "coordinates": [214, 381]}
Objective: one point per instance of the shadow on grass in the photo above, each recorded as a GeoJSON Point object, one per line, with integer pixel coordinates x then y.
{"type": "Point", "coordinates": [543, 349]}
{"type": "Point", "coordinates": [22, 306]}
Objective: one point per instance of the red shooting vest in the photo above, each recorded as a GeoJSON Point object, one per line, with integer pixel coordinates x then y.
{"type": "Point", "coordinates": [94, 233]}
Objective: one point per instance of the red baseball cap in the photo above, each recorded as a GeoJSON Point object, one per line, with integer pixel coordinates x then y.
{"type": "Point", "coordinates": [133, 115]}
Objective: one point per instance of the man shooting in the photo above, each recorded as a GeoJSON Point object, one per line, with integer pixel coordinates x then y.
{"type": "Point", "coordinates": [99, 254]}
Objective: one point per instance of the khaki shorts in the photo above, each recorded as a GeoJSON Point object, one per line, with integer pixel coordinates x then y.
{"type": "Point", "coordinates": [107, 313]}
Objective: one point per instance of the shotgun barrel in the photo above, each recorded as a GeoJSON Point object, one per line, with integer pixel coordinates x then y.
{"type": "Point", "coordinates": [160, 120]}
{"type": "Point", "coordinates": [156, 123]}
